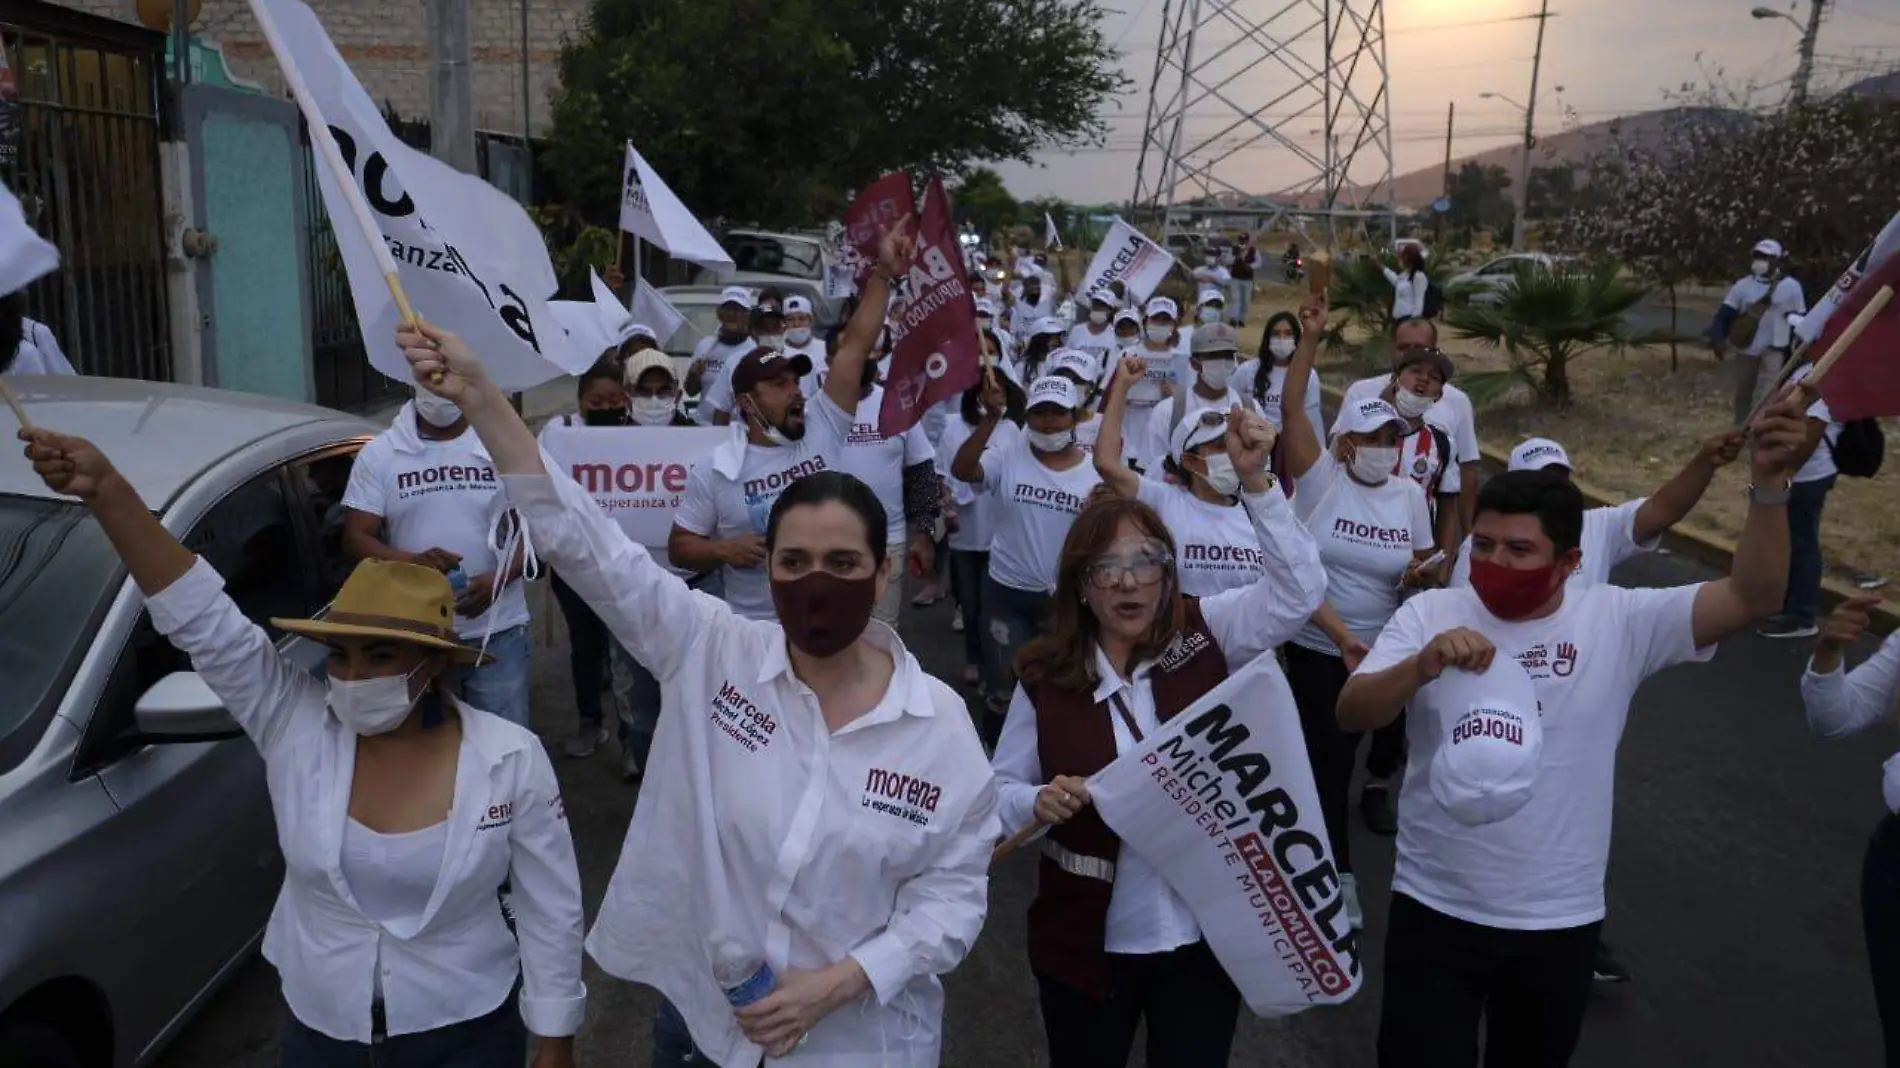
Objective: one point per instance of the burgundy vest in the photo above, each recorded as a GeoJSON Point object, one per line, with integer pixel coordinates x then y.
{"type": "Point", "coordinates": [1068, 920]}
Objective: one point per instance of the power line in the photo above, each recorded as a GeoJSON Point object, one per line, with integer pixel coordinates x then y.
{"type": "Point", "coordinates": [1467, 25]}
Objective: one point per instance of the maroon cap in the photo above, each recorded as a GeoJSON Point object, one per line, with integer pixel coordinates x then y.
{"type": "Point", "coordinates": [763, 364]}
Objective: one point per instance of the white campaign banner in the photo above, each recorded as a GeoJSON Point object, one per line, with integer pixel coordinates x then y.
{"type": "Point", "coordinates": [636, 474]}
{"type": "Point", "coordinates": [467, 256]}
{"type": "Point", "coordinates": [1221, 802]}
{"type": "Point", "coordinates": [1128, 256]}
{"type": "Point", "coordinates": [649, 209]}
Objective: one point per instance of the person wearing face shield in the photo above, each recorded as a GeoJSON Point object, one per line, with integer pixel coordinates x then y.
{"type": "Point", "coordinates": [1264, 379]}
{"type": "Point", "coordinates": [424, 492]}
{"type": "Point", "coordinates": [1495, 920]}
{"type": "Point", "coordinates": [1375, 535]}
{"type": "Point", "coordinates": [1752, 322]}
{"type": "Point", "coordinates": [711, 370]}
{"type": "Point", "coordinates": [811, 851]}
{"type": "Point", "coordinates": [1097, 333]}
{"type": "Point", "coordinates": [1038, 482]}
{"type": "Point", "coordinates": [1110, 959]}
{"type": "Point", "coordinates": [1453, 413]}
{"type": "Point", "coordinates": [1200, 501]}
{"type": "Point", "coordinates": [386, 935]}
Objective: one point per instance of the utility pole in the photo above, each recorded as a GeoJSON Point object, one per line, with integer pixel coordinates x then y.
{"type": "Point", "coordinates": [527, 114]}
{"type": "Point", "coordinates": [1530, 118]}
{"type": "Point", "coordinates": [1798, 88]}
{"type": "Point", "coordinates": [1451, 112]}
{"type": "Point", "coordinates": [452, 98]}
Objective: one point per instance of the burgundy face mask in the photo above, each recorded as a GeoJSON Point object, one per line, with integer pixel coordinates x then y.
{"type": "Point", "coordinates": [823, 614]}
{"type": "Point", "coordinates": [1512, 593]}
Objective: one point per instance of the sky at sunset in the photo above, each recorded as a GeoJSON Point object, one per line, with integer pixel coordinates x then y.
{"type": "Point", "coordinates": [1611, 57]}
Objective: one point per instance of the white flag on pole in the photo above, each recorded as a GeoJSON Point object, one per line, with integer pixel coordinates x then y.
{"type": "Point", "coordinates": [1126, 254]}
{"type": "Point", "coordinates": [595, 325]}
{"type": "Point", "coordinates": [1049, 235]}
{"type": "Point", "coordinates": [25, 256]}
{"type": "Point", "coordinates": [651, 309]}
{"type": "Point", "coordinates": [649, 210]}
{"type": "Point", "coordinates": [468, 257]}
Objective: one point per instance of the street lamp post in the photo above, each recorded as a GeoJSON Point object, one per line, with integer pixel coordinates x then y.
{"type": "Point", "coordinates": [1522, 199]}
{"type": "Point", "coordinates": [1810, 33]}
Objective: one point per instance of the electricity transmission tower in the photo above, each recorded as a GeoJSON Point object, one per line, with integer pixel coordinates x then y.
{"type": "Point", "coordinates": [1281, 100]}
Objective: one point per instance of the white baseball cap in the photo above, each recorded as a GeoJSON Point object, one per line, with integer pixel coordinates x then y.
{"type": "Point", "coordinates": [1057, 390]}
{"type": "Point", "coordinates": [1539, 453]}
{"type": "Point", "coordinates": [640, 330]}
{"type": "Point", "coordinates": [1163, 306]}
{"type": "Point", "coordinates": [1368, 416]}
{"type": "Point", "coordinates": [1048, 324]}
{"type": "Point", "coordinates": [1488, 762]}
{"type": "Point", "coordinates": [1769, 247]}
{"type": "Point", "coordinates": [1079, 362]}
{"type": "Point", "coordinates": [797, 306]}
{"type": "Point", "coordinates": [739, 295]}
{"type": "Point", "coordinates": [1208, 424]}
{"type": "Point", "coordinates": [1211, 296]}
{"type": "Point", "coordinates": [1128, 315]}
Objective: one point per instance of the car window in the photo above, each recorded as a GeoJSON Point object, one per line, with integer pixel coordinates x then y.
{"type": "Point", "coordinates": [760, 254]}
{"type": "Point", "coordinates": [702, 321]}
{"type": "Point", "coordinates": [316, 485]}
{"type": "Point", "coordinates": [1507, 265]}
{"type": "Point", "coordinates": [57, 571]}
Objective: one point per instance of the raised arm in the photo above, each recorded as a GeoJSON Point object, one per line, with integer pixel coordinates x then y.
{"type": "Point", "coordinates": [1758, 574]}
{"type": "Point", "coordinates": [1301, 439]}
{"type": "Point", "coordinates": [1252, 619]}
{"type": "Point", "coordinates": [1842, 703]}
{"type": "Point", "coordinates": [1673, 502]}
{"type": "Point", "coordinates": [894, 253]}
{"type": "Point", "coordinates": [1108, 440]}
{"type": "Point", "coordinates": [968, 464]}
{"type": "Point", "coordinates": [184, 594]}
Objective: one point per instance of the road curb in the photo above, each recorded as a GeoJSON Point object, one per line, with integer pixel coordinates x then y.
{"type": "Point", "coordinates": [1715, 551]}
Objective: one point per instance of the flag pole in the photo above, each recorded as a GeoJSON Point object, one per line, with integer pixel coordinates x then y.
{"type": "Point", "coordinates": [326, 149]}
{"type": "Point", "coordinates": [1015, 841]}
{"type": "Point", "coordinates": [13, 402]}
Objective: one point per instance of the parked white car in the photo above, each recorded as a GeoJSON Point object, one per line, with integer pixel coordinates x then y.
{"type": "Point", "coordinates": [1485, 282]}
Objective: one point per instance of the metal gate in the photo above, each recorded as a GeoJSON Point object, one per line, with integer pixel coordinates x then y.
{"type": "Point", "coordinates": [86, 168]}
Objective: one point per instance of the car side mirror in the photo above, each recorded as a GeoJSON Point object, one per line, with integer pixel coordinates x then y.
{"type": "Point", "coordinates": [181, 708]}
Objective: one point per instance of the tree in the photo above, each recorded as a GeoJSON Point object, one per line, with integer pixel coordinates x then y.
{"type": "Point", "coordinates": [774, 111]}
{"type": "Point", "coordinates": [1553, 191]}
{"type": "Point", "coordinates": [1546, 318]}
{"type": "Point", "coordinates": [1480, 199]}
{"type": "Point", "coordinates": [982, 201]}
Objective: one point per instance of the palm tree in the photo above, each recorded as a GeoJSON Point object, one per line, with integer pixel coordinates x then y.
{"type": "Point", "coordinates": [1360, 289]}
{"type": "Point", "coordinates": [1547, 317]}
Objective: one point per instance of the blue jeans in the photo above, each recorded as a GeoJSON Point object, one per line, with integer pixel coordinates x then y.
{"type": "Point", "coordinates": [637, 699]}
{"type": "Point", "coordinates": [1803, 601]}
{"type": "Point", "coordinates": [587, 642]}
{"type": "Point", "coordinates": [1011, 619]}
{"type": "Point", "coordinates": [497, 1040]}
{"type": "Point", "coordinates": [501, 687]}
{"type": "Point", "coordinates": [1239, 300]}
{"type": "Point", "coordinates": [672, 1043]}
{"type": "Point", "coordinates": [967, 570]}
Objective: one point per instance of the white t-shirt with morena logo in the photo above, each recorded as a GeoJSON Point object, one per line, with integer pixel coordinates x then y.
{"type": "Point", "coordinates": [436, 495]}
{"type": "Point", "coordinates": [1215, 547]}
{"type": "Point", "coordinates": [1541, 868]}
{"type": "Point", "coordinates": [880, 461]}
{"type": "Point", "coordinates": [733, 494]}
{"type": "Point", "coordinates": [1366, 536]}
{"type": "Point", "coordinates": [1609, 538]}
{"type": "Point", "coordinates": [715, 381]}
{"type": "Point", "coordinates": [1033, 510]}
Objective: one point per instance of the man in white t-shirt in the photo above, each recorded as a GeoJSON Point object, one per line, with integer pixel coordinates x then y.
{"type": "Point", "coordinates": [767, 326]}
{"type": "Point", "coordinates": [711, 369]}
{"type": "Point", "coordinates": [1097, 333]}
{"type": "Point", "coordinates": [777, 439]}
{"type": "Point", "coordinates": [801, 338]}
{"type": "Point", "coordinates": [1813, 481]}
{"type": "Point", "coordinates": [425, 492]}
{"type": "Point", "coordinates": [1453, 413]}
{"type": "Point", "coordinates": [1769, 297]}
{"type": "Point", "coordinates": [902, 471]}
{"type": "Point", "coordinates": [1499, 922]}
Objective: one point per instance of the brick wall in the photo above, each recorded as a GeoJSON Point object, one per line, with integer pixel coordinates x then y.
{"type": "Point", "coordinates": [386, 43]}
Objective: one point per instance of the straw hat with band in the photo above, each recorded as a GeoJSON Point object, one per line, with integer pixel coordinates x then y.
{"type": "Point", "coordinates": [384, 600]}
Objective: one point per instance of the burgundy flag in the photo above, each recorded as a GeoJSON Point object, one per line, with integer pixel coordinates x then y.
{"type": "Point", "coordinates": [878, 209]}
{"type": "Point", "coordinates": [1865, 381]}
{"type": "Point", "coordinates": [934, 352]}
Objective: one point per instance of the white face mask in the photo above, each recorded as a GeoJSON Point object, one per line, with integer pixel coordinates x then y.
{"type": "Point", "coordinates": [1098, 317]}
{"type": "Point", "coordinates": [1210, 315]}
{"type": "Point", "coordinates": [651, 411]}
{"type": "Point", "coordinates": [1760, 268]}
{"type": "Point", "coordinates": [775, 342]}
{"type": "Point", "coordinates": [1158, 333]}
{"type": "Point", "coordinates": [1044, 442]}
{"type": "Point", "coordinates": [1281, 348]}
{"type": "Point", "coordinates": [436, 411]}
{"type": "Point", "coordinates": [372, 706]}
{"type": "Point", "coordinates": [1411, 405]}
{"type": "Point", "coordinates": [799, 335]}
{"type": "Point", "coordinates": [1216, 373]}
{"type": "Point", "coordinates": [1373, 464]}
{"type": "Point", "coordinates": [1221, 476]}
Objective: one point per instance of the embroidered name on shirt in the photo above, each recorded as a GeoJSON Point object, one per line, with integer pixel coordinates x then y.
{"type": "Point", "coordinates": [497, 816]}
{"type": "Point", "coordinates": [1182, 649]}
{"type": "Point", "coordinates": [904, 796]}
{"type": "Point", "coordinates": [778, 480]}
{"type": "Point", "coordinates": [1367, 534]}
{"type": "Point", "coordinates": [445, 476]}
{"type": "Point", "coordinates": [739, 719]}
{"type": "Point", "coordinates": [1053, 499]}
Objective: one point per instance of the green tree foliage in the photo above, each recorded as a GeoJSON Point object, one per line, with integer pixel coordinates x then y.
{"type": "Point", "coordinates": [980, 200]}
{"type": "Point", "coordinates": [773, 111]}
{"type": "Point", "coordinates": [1480, 200]}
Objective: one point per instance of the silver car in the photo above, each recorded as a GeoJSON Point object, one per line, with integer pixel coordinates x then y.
{"type": "Point", "coordinates": [138, 855]}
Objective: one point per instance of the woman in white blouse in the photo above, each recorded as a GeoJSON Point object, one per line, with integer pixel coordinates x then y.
{"type": "Point", "coordinates": [1125, 652]}
{"type": "Point", "coordinates": [402, 812]}
{"type": "Point", "coordinates": [1409, 283]}
{"type": "Point", "coordinates": [1200, 501]}
{"type": "Point", "coordinates": [1840, 703]}
{"type": "Point", "coordinates": [811, 847]}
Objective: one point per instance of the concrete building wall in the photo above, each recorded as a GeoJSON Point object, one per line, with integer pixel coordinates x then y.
{"type": "Point", "coordinates": [386, 43]}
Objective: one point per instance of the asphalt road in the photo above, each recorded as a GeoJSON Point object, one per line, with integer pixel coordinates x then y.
{"type": "Point", "coordinates": [1733, 893]}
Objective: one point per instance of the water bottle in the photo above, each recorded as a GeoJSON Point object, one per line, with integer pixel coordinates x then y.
{"type": "Point", "coordinates": [743, 976]}
{"type": "Point", "coordinates": [458, 580]}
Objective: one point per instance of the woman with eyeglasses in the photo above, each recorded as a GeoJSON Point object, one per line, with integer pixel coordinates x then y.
{"type": "Point", "coordinates": [1092, 687]}
{"type": "Point", "coordinates": [1200, 500]}
{"type": "Point", "coordinates": [1375, 535]}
